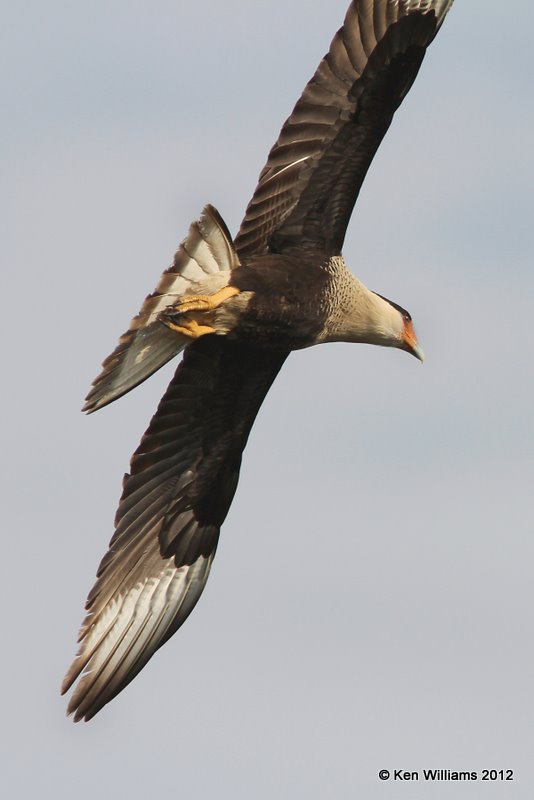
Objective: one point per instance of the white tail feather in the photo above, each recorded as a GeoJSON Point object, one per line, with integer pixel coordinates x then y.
{"type": "Point", "coordinates": [147, 344]}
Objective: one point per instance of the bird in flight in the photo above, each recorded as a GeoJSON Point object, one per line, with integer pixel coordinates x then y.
{"type": "Point", "coordinates": [237, 308]}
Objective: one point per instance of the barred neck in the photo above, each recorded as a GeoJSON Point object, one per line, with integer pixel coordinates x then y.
{"type": "Point", "coordinates": [356, 314]}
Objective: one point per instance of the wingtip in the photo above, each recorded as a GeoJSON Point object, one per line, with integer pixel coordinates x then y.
{"type": "Point", "coordinates": [88, 407]}
{"type": "Point", "coordinates": [90, 404]}
{"type": "Point", "coordinates": [72, 707]}
{"type": "Point", "coordinates": [66, 683]}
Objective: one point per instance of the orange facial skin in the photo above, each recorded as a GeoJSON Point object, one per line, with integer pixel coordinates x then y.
{"type": "Point", "coordinates": [410, 340]}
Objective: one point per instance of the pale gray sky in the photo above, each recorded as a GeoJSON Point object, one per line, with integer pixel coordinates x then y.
{"type": "Point", "coordinates": [370, 605]}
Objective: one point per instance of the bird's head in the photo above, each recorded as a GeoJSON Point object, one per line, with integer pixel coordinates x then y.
{"type": "Point", "coordinates": [398, 328]}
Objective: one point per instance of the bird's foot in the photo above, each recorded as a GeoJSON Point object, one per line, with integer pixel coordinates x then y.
{"type": "Point", "coordinates": [191, 315]}
{"type": "Point", "coordinates": [187, 327]}
{"type": "Point", "coordinates": [201, 302]}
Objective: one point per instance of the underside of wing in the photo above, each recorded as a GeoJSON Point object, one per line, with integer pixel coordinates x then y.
{"type": "Point", "coordinates": [148, 344]}
{"type": "Point", "coordinates": [183, 478]}
{"type": "Point", "coordinates": [314, 172]}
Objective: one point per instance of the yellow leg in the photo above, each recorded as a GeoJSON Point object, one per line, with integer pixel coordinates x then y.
{"type": "Point", "coordinates": [204, 302]}
{"type": "Point", "coordinates": [189, 327]}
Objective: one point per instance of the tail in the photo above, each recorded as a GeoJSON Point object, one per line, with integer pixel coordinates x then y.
{"type": "Point", "coordinates": [148, 344]}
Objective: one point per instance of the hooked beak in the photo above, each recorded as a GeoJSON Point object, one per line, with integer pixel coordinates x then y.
{"type": "Point", "coordinates": [410, 343]}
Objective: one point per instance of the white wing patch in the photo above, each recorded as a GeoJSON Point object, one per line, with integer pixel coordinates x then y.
{"type": "Point", "coordinates": [131, 627]}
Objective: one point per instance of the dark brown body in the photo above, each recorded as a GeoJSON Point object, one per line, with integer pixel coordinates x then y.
{"type": "Point", "coordinates": [283, 312]}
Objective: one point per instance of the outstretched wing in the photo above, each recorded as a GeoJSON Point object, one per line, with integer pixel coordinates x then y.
{"type": "Point", "coordinates": [307, 189]}
{"type": "Point", "coordinates": [183, 478]}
